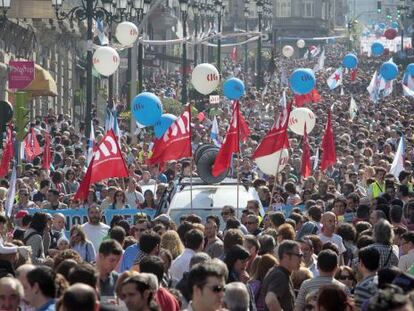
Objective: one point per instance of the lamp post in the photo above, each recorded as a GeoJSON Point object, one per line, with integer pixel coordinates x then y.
{"type": "Point", "coordinates": [145, 10]}
{"type": "Point", "coordinates": [219, 11]}
{"type": "Point", "coordinates": [246, 21]}
{"type": "Point", "coordinates": [184, 15]}
{"type": "Point", "coordinates": [196, 12]}
{"type": "Point", "coordinates": [259, 8]}
{"type": "Point", "coordinates": [4, 7]}
{"type": "Point", "coordinates": [90, 11]}
{"type": "Point", "coordinates": [203, 13]}
{"type": "Point", "coordinates": [210, 14]}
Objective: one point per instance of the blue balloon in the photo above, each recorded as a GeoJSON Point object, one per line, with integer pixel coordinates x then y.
{"type": "Point", "coordinates": [389, 71]}
{"type": "Point", "coordinates": [233, 88]}
{"type": "Point", "coordinates": [146, 108]}
{"type": "Point", "coordinates": [302, 81]}
{"type": "Point", "coordinates": [381, 26]}
{"type": "Point", "coordinates": [410, 69]}
{"type": "Point", "coordinates": [162, 125]}
{"type": "Point", "coordinates": [377, 49]}
{"type": "Point", "coordinates": [394, 25]}
{"type": "Point", "coordinates": [350, 61]}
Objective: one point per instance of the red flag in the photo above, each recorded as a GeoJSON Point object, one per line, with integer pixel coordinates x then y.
{"type": "Point", "coordinates": [233, 55]}
{"type": "Point", "coordinates": [353, 74]}
{"type": "Point", "coordinates": [31, 146]}
{"type": "Point", "coordinates": [238, 131]}
{"type": "Point", "coordinates": [311, 97]}
{"type": "Point", "coordinates": [47, 153]}
{"type": "Point", "coordinates": [276, 139]}
{"type": "Point", "coordinates": [175, 143]}
{"type": "Point", "coordinates": [328, 145]}
{"type": "Point", "coordinates": [306, 168]}
{"type": "Point", "coordinates": [7, 154]}
{"type": "Point", "coordinates": [107, 162]}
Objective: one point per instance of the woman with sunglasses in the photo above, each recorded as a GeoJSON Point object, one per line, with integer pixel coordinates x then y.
{"type": "Point", "coordinates": [81, 245]}
{"type": "Point", "coordinates": [119, 201]}
{"type": "Point", "coordinates": [346, 276]}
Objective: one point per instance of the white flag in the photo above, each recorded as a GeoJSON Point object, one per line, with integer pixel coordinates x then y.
{"type": "Point", "coordinates": [342, 91]}
{"type": "Point", "coordinates": [11, 193]}
{"type": "Point", "coordinates": [316, 160]}
{"type": "Point", "coordinates": [91, 143]}
{"type": "Point", "coordinates": [353, 109]}
{"type": "Point", "coordinates": [335, 79]}
{"type": "Point", "coordinates": [407, 91]}
{"type": "Point", "coordinates": [398, 163]}
{"type": "Point", "coordinates": [321, 62]}
{"type": "Point", "coordinates": [373, 87]}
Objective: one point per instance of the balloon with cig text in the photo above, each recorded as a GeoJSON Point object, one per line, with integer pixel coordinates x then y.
{"type": "Point", "coordinates": [146, 108]}
{"type": "Point", "coordinates": [126, 33]}
{"type": "Point", "coordinates": [205, 78]}
{"type": "Point", "coordinates": [297, 119]}
{"type": "Point", "coordinates": [105, 60]}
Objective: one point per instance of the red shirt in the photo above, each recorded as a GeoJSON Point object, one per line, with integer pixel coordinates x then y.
{"type": "Point", "coordinates": [166, 300]}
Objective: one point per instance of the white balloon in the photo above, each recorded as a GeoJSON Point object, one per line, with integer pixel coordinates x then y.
{"type": "Point", "coordinates": [300, 43]}
{"type": "Point", "coordinates": [126, 33]}
{"type": "Point", "coordinates": [288, 51]}
{"type": "Point", "coordinates": [105, 60]}
{"type": "Point", "coordinates": [268, 164]}
{"type": "Point", "coordinates": [205, 78]}
{"type": "Point", "coordinates": [298, 118]}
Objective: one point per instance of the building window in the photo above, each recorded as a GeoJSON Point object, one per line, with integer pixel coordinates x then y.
{"type": "Point", "coordinates": [283, 8]}
{"type": "Point", "coordinates": [308, 8]}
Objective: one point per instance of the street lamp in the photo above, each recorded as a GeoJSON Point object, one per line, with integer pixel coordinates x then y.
{"type": "Point", "coordinates": [184, 15]}
{"type": "Point", "coordinates": [210, 15]}
{"type": "Point", "coordinates": [259, 8]}
{"type": "Point", "coordinates": [219, 10]}
{"type": "Point", "coordinates": [4, 7]}
{"type": "Point", "coordinates": [203, 14]}
{"type": "Point", "coordinates": [90, 11]}
{"type": "Point", "coordinates": [246, 20]}
{"type": "Point", "coordinates": [143, 10]}
{"type": "Point", "coordinates": [196, 11]}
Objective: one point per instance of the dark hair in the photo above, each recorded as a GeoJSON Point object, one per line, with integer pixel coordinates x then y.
{"type": "Point", "coordinates": [327, 260]}
{"type": "Point", "coordinates": [83, 273]}
{"type": "Point", "coordinates": [65, 266]}
{"type": "Point", "coordinates": [286, 247]}
{"type": "Point", "coordinates": [199, 273]}
{"type": "Point", "coordinates": [118, 234]}
{"type": "Point", "coordinates": [389, 298]}
{"type": "Point", "coordinates": [232, 237]}
{"type": "Point", "coordinates": [154, 265]}
{"type": "Point", "coordinates": [237, 252]}
{"type": "Point", "coordinates": [346, 231]}
{"type": "Point", "coordinates": [79, 298]}
{"type": "Point", "coordinates": [332, 297]}
{"type": "Point", "coordinates": [110, 247]}
{"type": "Point", "coordinates": [44, 183]}
{"type": "Point", "coordinates": [39, 222]}
{"type": "Point", "coordinates": [298, 218]}
{"type": "Point", "coordinates": [331, 246]}
{"type": "Point", "coordinates": [54, 192]}
{"type": "Point", "coordinates": [3, 219]}
{"type": "Point", "coordinates": [364, 240]}
{"type": "Point", "coordinates": [315, 212]}
{"type": "Point", "coordinates": [267, 244]}
{"type": "Point", "coordinates": [194, 239]}
{"type": "Point", "coordinates": [148, 241]}
{"type": "Point", "coordinates": [408, 236]}
{"type": "Point", "coordinates": [387, 275]}
{"type": "Point", "coordinates": [361, 226]}
{"type": "Point", "coordinates": [277, 218]}
{"type": "Point", "coordinates": [251, 239]}
{"type": "Point", "coordinates": [362, 211]}
{"type": "Point", "coordinates": [214, 218]}
{"type": "Point", "coordinates": [396, 213]}
{"type": "Point", "coordinates": [26, 220]}
{"type": "Point", "coordinates": [44, 276]}
{"type": "Point", "coordinates": [183, 228]}
{"type": "Point", "coordinates": [370, 257]}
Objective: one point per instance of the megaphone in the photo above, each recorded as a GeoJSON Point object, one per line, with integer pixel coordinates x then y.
{"type": "Point", "coordinates": [204, 158]}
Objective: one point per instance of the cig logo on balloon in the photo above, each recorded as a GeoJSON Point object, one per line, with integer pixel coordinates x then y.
{"type": "Point", "coordinates": [212, 77]}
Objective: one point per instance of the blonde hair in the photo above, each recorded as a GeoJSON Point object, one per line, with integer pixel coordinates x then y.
{"type": "Point", "coordinates": [170, 240]}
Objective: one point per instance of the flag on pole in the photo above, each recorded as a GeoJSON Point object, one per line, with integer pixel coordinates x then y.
{"type": "Point", "coordinates": [328, 145]}
{"type": "Point", "coordinates": [214, 134]}
{"type": "Point", "coordinates": [238, 131]}
{"type": "Point", "coordinates": [175, 144]}
{"type": "Point", "coordinates": [398, 163]}
{"type": "Point", "coordinates": [91, 144]}
{"type": "Point", "coordinates": [283, 110]}
{"type": "Point", "coordinates": [407, 91]}
{"type": "Point", "coordinates": [7, 153]}
{"type": "Point", "coordinates": [275, 140]}
{"type": "Point", "coordinates": [320, 65]}
{"type": "Point", "coordinates": [11, 193]}
{"type": "Point", "coordinates": [353, 109]}
{"type": "Point", "coordinates": [306, 167]}
{"type": "Point", "coordinates": [314, 51]}
{"type": "Point", "coordinates": [100, 31]}
{"type": "Point", "coordinates": [233, 54]}
{"type": "Point", "coordinates": [107, 162]}
{"type": "Point", "coordinates": [31, 146]}
{"type": "Point", "coordinates": [342, 91]}
{"type": "Point", "coordinates": [306, 55]}
{"type": "Point", "coordinates": [353, 74]}
{"type": "Point", "coordinates": [311, 97]}
{"type": "Point", "coordinates": [335, 79]}
{"type": "Point", "coordinates": [386, 86]}
{"type": "Point", "coordinates": [373, 87]}
{"type": "Point", "coordinates": [316, 160]}
{"type": "Point", "coordinates": [284, 80]}
{"type": "Point", "coordinates": [47, 153]}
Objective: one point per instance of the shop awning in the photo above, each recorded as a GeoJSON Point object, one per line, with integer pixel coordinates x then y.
{"type": "Point", "coordinates": [43, 83]}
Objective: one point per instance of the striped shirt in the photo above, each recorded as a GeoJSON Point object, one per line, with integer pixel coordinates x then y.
{"type": "Point", "coordinates": [314, 284]}
{"type": "Point", "coordinates": [365, 290]}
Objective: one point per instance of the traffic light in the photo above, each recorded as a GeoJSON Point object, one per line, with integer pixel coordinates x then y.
{"type": "Point", "coordinates": [379, 6]}
{"type": "Point", "coordinates": [21, 114]}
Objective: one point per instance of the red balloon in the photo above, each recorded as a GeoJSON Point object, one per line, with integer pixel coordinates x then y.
{"type": "Point", "coordinates": [390, 33]}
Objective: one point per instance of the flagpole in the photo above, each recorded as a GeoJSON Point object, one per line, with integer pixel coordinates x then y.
{"type": "Point", "coordinates": [192, 159]}
{"type": "Point", "coordinates": [238, 155]}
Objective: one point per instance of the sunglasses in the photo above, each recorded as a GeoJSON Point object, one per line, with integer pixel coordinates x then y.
{"type": "Point", "coordinates": [299, 255]}
{"type": "Point", "coordinates": [216, 288]}
{"type": "Point", "coordinates": [345, 277]}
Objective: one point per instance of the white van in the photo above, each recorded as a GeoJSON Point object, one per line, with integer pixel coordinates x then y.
{"type": "Point", "coordinates": [209, 199]}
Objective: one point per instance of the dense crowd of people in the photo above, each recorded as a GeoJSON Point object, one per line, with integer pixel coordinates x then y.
{"type": "Point", "coordinates": [345, 244]}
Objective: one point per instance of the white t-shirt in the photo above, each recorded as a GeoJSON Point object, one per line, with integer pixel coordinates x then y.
{"type": "Point", "coordinates": [95, 233]}
{"type": "Point", "coordinates": [133, 197]}
{"type": "Point", "coordinates": [335, 239]}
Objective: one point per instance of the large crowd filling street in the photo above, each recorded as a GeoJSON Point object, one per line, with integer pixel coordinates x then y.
{"type": "Point", "coordinates": [322, 236]}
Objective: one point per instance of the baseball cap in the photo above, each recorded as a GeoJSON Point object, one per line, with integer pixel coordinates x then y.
{"type": "Point", "coordinates": [21, 214]}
